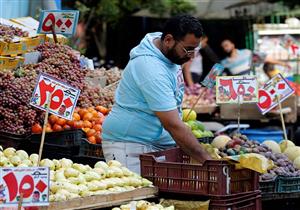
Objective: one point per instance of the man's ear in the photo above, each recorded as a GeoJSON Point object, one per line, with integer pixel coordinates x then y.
{"type": "Point", "coordinates": [169, 41]}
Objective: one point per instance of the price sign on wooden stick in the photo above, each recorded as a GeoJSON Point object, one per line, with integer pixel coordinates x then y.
{"type": "Point", "coordinates": [237, 90]}
{"type": "Point", "coordinates": [273, 94]}
{"type": "Point", "coordinates": [56, 97]}
{"type": "Point", "coordinates": [58, 21]}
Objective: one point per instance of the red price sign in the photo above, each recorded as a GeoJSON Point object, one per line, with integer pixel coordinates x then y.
{"type": "Point", "coordinates": [63, 97]}
{"type": "Point", "coordinates": [63, 21]}
{"type": "Point", "coordinates": [32, 182]}
{"type": "Point", "coordinates": [238, 89]}
{"type": "Point", "coordinates": [276, 87]}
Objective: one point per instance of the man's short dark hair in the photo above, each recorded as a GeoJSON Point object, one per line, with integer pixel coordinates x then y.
{"type": "Point", "coordinates": [181, 25]}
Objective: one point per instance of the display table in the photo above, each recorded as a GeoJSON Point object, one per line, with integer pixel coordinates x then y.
{"type": "Point", "coordinates": [104, 201]}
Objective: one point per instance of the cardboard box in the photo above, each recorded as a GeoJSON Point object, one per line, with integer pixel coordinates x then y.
{"type": "Point", "coordinates": [10, 62]}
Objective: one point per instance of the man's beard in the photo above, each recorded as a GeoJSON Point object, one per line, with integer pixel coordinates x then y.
{"type": "Point", "coordinates": [174, 57]}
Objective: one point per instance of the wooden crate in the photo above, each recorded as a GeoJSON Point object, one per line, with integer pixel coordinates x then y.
{"type": "Point", "coordinates": [251, 112]}
{"type": "Point", "coordinates": [104, 201]}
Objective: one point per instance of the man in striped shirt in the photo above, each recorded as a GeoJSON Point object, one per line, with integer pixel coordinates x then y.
{"type": "Point", "coordinates": [239, 62]}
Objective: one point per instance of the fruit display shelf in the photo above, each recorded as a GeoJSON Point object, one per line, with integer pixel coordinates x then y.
{"type": "Point", "coordinates": [104, 201]}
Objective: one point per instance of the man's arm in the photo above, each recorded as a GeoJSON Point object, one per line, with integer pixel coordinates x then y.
{"type": "Point", "coordinates": [271, 60]}
{"type": "Point", "coordinates": [182, 135]}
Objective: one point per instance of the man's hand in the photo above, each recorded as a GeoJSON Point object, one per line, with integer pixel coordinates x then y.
{"type": "Point", "coordinates": [182, 135]}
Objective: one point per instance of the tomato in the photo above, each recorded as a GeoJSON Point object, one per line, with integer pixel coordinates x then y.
{"type": "Point", "coordinates": [36, 128]}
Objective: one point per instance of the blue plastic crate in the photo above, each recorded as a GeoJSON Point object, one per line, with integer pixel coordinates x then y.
{"type": "Point", "coordinates": [261, 135]}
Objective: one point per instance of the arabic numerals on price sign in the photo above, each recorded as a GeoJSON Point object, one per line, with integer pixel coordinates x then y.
{"type": "Point", "coordinates": [276, 88]}
{"type": "Point", "coordinates": [237, 89]}
{"type": "Point", "coordinates": [15, 188]}
{"type": "Point", "coordinates": [32, 183]}
{"type": "Point", "coordinates": [63, 97]}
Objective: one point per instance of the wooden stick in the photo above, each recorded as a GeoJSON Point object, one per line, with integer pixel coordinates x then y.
{"type": "Point", "coordinates": [239, 113]}
{"type": "Point", "coordinates": [20, 202]}
{"type": "Point", "coordinates": [44, 130]}
{"type": "Point", "coordinates": [282, 119]}
{"type": "Point", "coordinates": [194, 105]}
{"type": "Point", "coordinates": [54, 34]}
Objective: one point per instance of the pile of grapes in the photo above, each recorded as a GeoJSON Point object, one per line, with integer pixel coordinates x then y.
{"type": "Point", "coordinates": [16, 87]}
{"type": "Point", "coordinates": [7, 33]}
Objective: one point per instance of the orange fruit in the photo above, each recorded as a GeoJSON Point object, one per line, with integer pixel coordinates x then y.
{"type": "Point", "coordinates": [82, 112]}
{"type": "Point", "coordinates": [48, 130]}
{"type": "Point", "coordinates": [102, 109]}
{"type": "Point", "coordinates": [70, 123]}
{"type": "Point", "coordinates": [98, 139]}
{"type": "Point", "coordinates": [36, 128]}
{"type": "Point", "coordinates": [76, 116]}
{"type": "Point", "coordinates": [97, 127]}
{"type": "Point", "coordinates": [57, 128]}
{"type": "Point", "coordinates": [90, 109]}
{"type": "Point", "coordinates": [67, 127]}
{"type": "Point", "coordinates": [78, 124]}
{"type": "Point", "coordinates": [86, 129]}
{"type": "Point", "coordinates": [92, 139]}
{"type": "Point", "coordinates": [88, 116]}
{"type": "Point", "coordinates": [91, 132]}
{"type": "Point", "coordinates": [95, 114]}
{"type": "Point", "coordinates": [52, 119]}
{"type": "Point", "coordinates": [61, 122]}
{"type": "Point", "coordinates": [87, 124]}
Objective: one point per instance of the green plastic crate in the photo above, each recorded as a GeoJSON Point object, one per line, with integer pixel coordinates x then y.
{"type": "Point", "coordinates": [288, 184]}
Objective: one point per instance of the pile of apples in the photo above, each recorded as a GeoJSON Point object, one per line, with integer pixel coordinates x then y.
{"type": "Point", "coordinates": [70, 180]}
{"type": "Point", "coordinates": [88, 119]}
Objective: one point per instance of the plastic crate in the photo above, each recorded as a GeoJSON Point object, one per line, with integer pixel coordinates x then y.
{"type": "Point", "coordinates": [54, 151]}
{"type": "Point", "coordinates": [172, 172]}
{"type": "Point", "coordinates": [13, 140]}
{"type": "Point", "coordinates": [261, 135]}
{"type": "Point", "coordinates": [63, 138]}
{"type": "Point", "coordinates": [288, 184]}
{"type": "Point", "coordinates": [90, 150]}
{"type": "Point", "coordinates": [244, 201]}
{"type": "Point", "coordinates": [268, 186]}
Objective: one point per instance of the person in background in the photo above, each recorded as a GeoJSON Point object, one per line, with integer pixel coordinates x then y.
{"type": "Point", "coordinates": [146, 116]}
{"type": "Point", "coordinates": [270, 70]}
{"type": "Point", "coordinates": [239, 61]}
{"type": "Point", "coordinates": [199, 66]}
